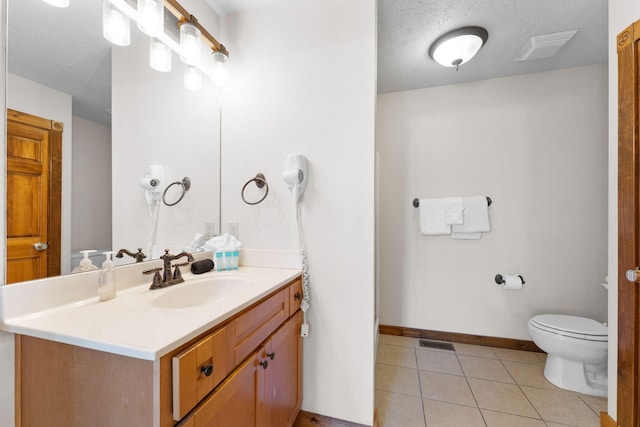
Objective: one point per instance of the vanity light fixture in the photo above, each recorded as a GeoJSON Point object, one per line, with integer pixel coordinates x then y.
{"type": "Point", "coordinates": [159, 55]}
{"type": "Point", "coordinates": [115, 24]}
{"type": "Point", "coordinates": [189, 42]}
{"type": "Point", "coordinates": [192, 78]}
{"type": "Point", "coordinates": [151, 16]}
{"type": "Point", "coordinates": [458, 46]}
{"type": "Point", "coordinates": [57, 3]}
{"type": "Point", "coordinates": [194, 38]}
{"type": "Point", "coordinates": [219, 68]}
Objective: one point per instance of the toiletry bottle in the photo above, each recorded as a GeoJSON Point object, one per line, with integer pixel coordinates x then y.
{"type": "Point", "coordinates": [219, 264]}
{"type": "Point", "coordinates": [228, 261]}
{"type": "Point", "coordinates": [85, 264]}
{"type": "Point", "coordinates": [106, 285]}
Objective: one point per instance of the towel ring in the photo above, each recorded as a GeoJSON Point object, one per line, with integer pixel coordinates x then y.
{"type": "Point", "coordinates": [416, 202]}
{"type": "Point", "coordinates": [260, 181]}
{"type": "Point", "coordinates": [186, 185]}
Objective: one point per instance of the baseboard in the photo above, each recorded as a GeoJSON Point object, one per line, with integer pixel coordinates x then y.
{"type": "Point", "coordinates": [606, 420]}
{"type": "Point", "coordinates": [509, 343]}
{"type": "Point", "coordinates": [309, 419]}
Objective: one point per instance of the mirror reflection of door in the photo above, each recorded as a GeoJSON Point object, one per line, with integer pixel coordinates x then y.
{"type": "Point", "coordinates": [34, 185]}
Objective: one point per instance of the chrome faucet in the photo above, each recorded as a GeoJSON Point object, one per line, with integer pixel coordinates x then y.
{"type": "Point", "coordinates": [139, 256]}
{"type": "Point", "coordinates": [168, 278]}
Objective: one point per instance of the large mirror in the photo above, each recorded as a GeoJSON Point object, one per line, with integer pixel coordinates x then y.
{"type": "Point", "coordinates": [118, 116]}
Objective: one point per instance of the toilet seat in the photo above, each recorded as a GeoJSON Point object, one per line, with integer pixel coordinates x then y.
{"type": "Point", "coordinates": [571, 326]}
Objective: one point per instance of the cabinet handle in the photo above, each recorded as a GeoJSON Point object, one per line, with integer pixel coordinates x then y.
{"type": "Point", "coordinates": [264, 364]}
{"type": "Point", "coordinates": [207, 370]}
{"type": "Point", "coordinates": [297, 295]}
{"type": "Point", "coordinates": [271, 355]}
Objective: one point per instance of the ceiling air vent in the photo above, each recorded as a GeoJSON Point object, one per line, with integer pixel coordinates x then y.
{"type": "Point", "coordinates": [544, 46]}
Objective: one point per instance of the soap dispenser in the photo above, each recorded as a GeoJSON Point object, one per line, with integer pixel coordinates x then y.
{"type": "Point", "coordinates": [85, 264]}
{"type": "Point", "coordinates": [106, 285]}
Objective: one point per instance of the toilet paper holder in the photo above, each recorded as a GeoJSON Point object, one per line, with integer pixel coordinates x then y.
{"type": "Point", "coordinates": [500, 280]}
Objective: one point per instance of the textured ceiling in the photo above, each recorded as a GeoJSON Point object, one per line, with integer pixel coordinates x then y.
{"type": "Point", "coordinates": [406, 29]}
{"type": "Point", "coordinates": [64, 48]}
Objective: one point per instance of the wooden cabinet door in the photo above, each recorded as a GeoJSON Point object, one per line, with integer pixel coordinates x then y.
{"type": "Point", "coordinates": [283, 393]}
{"type": "Point", "coordinates": [237, 401]}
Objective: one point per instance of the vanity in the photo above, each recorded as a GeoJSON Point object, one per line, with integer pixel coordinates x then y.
{"type": "Point", "coordinates": [221, 349]}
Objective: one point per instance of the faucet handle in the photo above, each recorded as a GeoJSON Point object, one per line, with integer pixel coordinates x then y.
{"type": "Point", "coordinates": [157, 280]}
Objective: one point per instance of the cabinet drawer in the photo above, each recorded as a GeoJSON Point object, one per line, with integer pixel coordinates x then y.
{"type": "Point", "coordinates": [198, 369]}
{"type": "Point", "coordinates": [253, 327]}
{"type": "Point", "coordinates": [295, 296]}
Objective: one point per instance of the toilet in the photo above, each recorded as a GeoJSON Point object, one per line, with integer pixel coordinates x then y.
{"type": "Point", "coordinates": [576, 350]}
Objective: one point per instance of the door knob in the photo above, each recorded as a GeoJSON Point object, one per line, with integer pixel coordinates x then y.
{"type": "Point", "coordinates": [632, 275]}
{"type": "Point", "coordinates": [40, 246]}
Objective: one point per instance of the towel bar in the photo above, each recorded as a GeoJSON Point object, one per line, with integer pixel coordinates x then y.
{"type": "Point", "coordinates": [416, 202]}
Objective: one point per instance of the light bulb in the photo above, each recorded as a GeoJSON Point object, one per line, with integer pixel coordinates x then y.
{"type": "Point", "coordinates": [57, 3]}
{"type": "Point", "coordinates": [192, 78]}
{"type": "Point", "coordinates": [151, 16]}
{"type": "Point", "coordinates": [189, 44]}
{"type": "Point", "coordinates": [159, 56]}
{"type": "Point", "coordinates": [115, 25]}
{"type": "Point", "coordinates": [219, 68]}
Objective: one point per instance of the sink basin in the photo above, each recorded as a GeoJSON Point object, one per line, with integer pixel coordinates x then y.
{"type": "Point", "coordinates": [219, 289]}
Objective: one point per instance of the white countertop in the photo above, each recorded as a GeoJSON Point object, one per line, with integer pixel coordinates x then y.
{"type": "Point", "coordinates": [137, 323]}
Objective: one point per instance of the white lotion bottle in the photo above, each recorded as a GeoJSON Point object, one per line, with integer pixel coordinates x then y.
{"type": "Point", "coordinates": [106, 285]}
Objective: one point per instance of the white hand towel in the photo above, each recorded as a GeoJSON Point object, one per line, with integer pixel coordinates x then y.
{"type": "Point", "coordinates": [453, 210]}
{"type": "Point", "coordinates": [476, 219]}
{"type": "Point", "coordinates": [432, 213]}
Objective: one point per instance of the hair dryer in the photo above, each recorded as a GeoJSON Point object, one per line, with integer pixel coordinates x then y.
{"type": "Point", "coordinates": [296, 175]}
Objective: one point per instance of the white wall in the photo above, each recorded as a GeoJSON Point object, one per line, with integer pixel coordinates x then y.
{"type": "Point", "coordinates": [537, 145]}
{"type": "Point", "coordinates": [622, 13]}
{"type": "Point", "coordinates": [157, 121]}
{"type": "Point", "coordinates": [33, 98]}
{"type": "Point", "coordinates": [91, 186]}
{"type": "Point", "coordinates": [302, 80]}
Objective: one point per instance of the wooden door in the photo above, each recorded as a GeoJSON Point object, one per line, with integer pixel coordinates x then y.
{"type": "Point", "coordinates": [283, 393]}
{"type": "Point", "coordinates": [34, 149]}
{"type": "Point", "coordinates": [628, 225]}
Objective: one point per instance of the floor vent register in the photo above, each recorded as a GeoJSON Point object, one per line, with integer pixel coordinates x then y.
{"type": "Point", "coordinates": [436, 344]}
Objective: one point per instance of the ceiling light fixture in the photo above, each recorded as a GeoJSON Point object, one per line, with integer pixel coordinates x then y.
{"type": "Point", "coordinates": [458, 46]}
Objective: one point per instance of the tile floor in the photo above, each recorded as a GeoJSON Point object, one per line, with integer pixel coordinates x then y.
{"type": "Point", "coordinates": [473, 386]}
